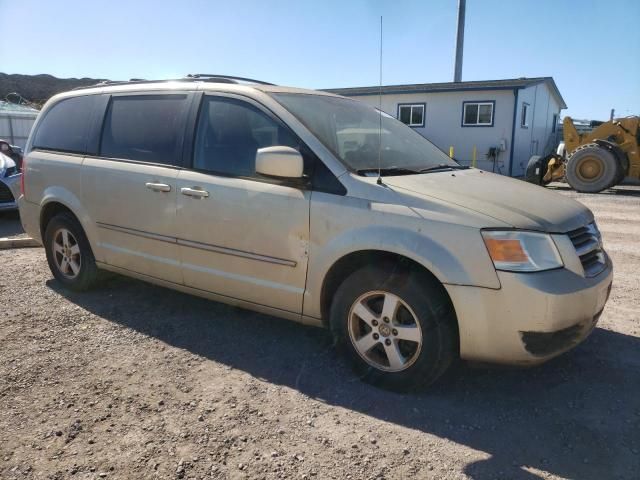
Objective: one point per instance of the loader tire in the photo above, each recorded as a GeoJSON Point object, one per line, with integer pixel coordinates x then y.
{"type": "Point", "coordinates": [591, 169]}
{"type": "Point", "coordinates": [536, 170]}
{"type": "Point", "coordinates": [622, 174]}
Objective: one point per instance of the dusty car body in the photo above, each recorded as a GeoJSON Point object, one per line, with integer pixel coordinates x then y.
{"type": "Point", "coordinates": [409, 258]}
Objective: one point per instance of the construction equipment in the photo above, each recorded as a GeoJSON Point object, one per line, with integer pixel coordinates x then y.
{"type": "Point", "coordinates": [592, 161]}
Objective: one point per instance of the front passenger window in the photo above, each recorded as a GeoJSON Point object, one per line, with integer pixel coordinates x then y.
{"type": "Point", "coordinates": [230, 132]}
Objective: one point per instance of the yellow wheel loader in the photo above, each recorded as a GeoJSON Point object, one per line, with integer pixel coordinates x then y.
{"type": "Point", "coordinates": [593, 161]}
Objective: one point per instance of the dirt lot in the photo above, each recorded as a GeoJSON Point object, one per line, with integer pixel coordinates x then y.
{"type": "Point", "coordinates": [133, 381]}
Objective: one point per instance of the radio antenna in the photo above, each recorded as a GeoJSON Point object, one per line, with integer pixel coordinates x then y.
{"type": "Point", "coordinates": [379, 181]}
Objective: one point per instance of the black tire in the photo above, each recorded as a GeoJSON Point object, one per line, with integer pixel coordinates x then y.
{"type": "Point", "coordinates": [622, 174]}
{"type": "Point", "coordinates": [536, 170]}
{"type": "Point", "coordinates": [592, 168]}
{"type": "Point", "coordinates": [87, 273]}
{"type": "Point", "coordinates": [434, 314]}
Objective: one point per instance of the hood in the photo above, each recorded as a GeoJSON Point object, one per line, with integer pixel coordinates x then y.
{"type": "Point", "coordinates": [515, 202]}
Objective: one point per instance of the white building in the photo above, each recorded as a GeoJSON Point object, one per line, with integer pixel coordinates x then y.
{"type": "Point", "coordinates": [506, 121]}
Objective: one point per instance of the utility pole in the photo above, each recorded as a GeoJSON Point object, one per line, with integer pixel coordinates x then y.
{"type": "Point", "coordinates": [457, 75]}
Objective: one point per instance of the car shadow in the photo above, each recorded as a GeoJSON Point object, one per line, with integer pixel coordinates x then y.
{"type": "Point", "coordinates": [577, 416]}
{"type": "Point", "coordinates": [619, 190]}
{"type": "Point", "coordinates": [10, 225]}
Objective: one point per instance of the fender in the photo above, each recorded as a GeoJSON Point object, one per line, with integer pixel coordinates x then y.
{"type": "Point", "coordinates": [617, 152]}
{"type": "Point", "coordinates": [459, 263]}
{"type": "Point", "coordinates": [63, 196]}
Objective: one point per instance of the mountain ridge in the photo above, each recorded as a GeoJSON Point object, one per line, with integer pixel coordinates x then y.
{"type": "Point", "coordinates": [37, 89]}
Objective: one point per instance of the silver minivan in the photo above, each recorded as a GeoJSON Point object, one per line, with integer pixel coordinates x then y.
{"type": "Point", "coordinates": [315, 208]}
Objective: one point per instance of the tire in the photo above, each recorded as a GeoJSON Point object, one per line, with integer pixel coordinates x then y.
{"type": "Point", "coordinates": [622, 174]}
{"type": "Point", "coordinates": [424, 314]}
{"type": "Point", "coordinates": [536, 169]}
{"type": "Point", "coordinates": [591, 169]}
{"type": "Point", "coordinates": [69, 254]}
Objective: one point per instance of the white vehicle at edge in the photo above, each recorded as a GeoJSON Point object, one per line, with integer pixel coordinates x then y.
{"type": "Point", "coordinates": [9, 183]}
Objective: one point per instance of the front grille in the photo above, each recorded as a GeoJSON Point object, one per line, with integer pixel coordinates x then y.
{"type": "Point", "coordinates": [588, 244]}
{"type": "Point", "coordinates": [5, 194]}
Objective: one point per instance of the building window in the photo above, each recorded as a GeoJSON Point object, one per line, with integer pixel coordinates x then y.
{"type": "Point", "coordinates": [524, 115]}
{"type": "Point", "coordinates": [554, 123]}
{"type": "Point", "coordinates": [412, 114]}
{"type": "Point", "coordinates": [477, 114]}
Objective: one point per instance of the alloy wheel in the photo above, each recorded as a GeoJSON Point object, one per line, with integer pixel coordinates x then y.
{"type": "Point", "coordinates": [66, 253]}
{"type": "Point", "coordinates": [385, 331]}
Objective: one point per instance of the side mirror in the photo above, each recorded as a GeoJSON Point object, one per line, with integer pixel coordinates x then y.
{"type": "Point", "coordinates": [279, 161]}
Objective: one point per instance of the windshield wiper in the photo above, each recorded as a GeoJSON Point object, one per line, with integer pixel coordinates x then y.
{"type": "Point", "coordinates": [443, 166]}
{"type": "Point", "coordinates": [393, 170]}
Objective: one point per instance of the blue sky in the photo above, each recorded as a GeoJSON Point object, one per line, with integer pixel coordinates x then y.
{"type": "Point", "coordinates": [590, 47]}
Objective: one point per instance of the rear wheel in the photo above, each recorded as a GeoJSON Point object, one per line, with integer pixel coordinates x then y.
{"type": "Point", "coordinates": [591, 169]}
{"type": "Point", "coordinates": [397, 329]}
{"type": "Point", "coordinates": [69, 254]}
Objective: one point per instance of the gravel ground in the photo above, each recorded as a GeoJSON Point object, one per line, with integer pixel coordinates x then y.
{"type": "Point", "coordinates": [134, 381]}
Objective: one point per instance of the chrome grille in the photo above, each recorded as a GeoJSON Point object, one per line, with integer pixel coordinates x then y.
{"type": "Point", "coordinates": [5, 194]}
{"type": "Point", "coordinates": [588, 244]}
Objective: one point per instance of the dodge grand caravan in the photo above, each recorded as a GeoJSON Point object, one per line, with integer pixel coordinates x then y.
{"type": "Point", "coordinates": [315, 208]}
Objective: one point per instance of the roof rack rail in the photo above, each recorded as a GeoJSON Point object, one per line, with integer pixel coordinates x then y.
{"type": "Point", "coordinates": [105, 83]}
{"type": "Point", "coordinates": [195, 77]}
{"type": "Point", "coordinates": [230, 78]}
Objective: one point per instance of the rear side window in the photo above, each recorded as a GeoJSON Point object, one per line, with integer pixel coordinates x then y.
{"type": "Point", "coordinates": [66, 125]}
{"type": "Point", "coordinates": [147, 128]}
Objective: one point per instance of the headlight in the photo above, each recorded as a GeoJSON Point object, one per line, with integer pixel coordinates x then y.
{"type": "Point", "coordinates": [516, 251]}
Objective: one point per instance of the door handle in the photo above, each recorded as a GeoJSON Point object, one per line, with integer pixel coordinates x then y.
{"type": "Point", "coordinates": [194, 192]}
{"type": "Point", "coordinates": [158, 187]}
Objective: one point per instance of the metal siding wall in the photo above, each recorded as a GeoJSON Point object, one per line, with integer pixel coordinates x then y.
{"type": "Point", "coordinates": [16, 128]}
{"type": "Point", "coordinates": [538, 139]}
{"type": "Point", "coordinates": [522, 137]}
{"type": "Point", "coordinates": [5, 128]}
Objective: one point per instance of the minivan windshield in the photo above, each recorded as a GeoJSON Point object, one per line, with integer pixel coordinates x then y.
{"type": "Point", "coordinates": [352, 131]}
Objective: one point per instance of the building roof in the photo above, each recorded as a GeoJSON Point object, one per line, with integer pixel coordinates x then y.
{"type": "Point", "coordinates": [507, 84]}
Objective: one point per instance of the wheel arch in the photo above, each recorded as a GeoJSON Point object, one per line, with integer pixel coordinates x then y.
{"type": "Point", "coordinates": [56, 200]}
{"type": "Point", "coordinates": [50, 210]}
{"type": "Point", "coordinates": [349, 263]}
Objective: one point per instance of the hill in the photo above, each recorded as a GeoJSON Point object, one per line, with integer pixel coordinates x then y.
{"type": "Point", "coordinates": [39, 88]}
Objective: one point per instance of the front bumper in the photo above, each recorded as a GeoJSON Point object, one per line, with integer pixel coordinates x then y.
{"type": "Point", "coordinates": [532, 318]}
{"type": "Point", "coordinates": [8, 206]}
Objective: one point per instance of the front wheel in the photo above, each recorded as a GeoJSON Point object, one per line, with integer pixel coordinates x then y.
{"type": "Point", "coordinates": [397, 328]}
{"type": "Point", "coordinates": [592, 168]}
